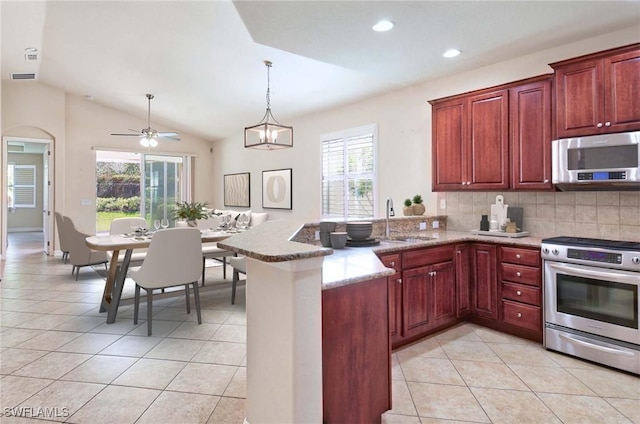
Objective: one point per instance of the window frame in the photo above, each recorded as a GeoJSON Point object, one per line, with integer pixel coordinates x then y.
{"type": "Point", "coordinates": [344, 135]}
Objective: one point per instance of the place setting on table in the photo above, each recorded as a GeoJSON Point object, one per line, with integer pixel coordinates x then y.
{"type": "Point", "coordinates": [142, 233]}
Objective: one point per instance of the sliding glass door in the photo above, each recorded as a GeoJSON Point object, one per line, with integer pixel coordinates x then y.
{"type": "Point", "coordinates": [139, 184]}
{"type": "Point", "coordinates": [162, 186]}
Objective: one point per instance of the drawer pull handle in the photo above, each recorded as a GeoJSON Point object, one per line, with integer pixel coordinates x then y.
{"type": "Point", "coordinates": [519, 293]}
{"type": "Point", "coordinates": [518, 274]}
{"type": "Point", "coordinates": [393, 264]}
{"type": "Point", "coordinates": [519, 315]}
{"type": "Point", "coordinates": [518, 256]}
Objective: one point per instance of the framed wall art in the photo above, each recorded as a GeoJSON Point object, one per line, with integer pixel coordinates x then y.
{"type": "Point", "coordinates": [237, 190]}
{"type": "Point", "coordinates": [276, 189]}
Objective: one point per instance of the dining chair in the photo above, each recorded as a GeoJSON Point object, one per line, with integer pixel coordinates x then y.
{"type": "Point", "coordinates": [123, 226]}
{"type": "Point", "coordinates": [80, 255]}
{"type": "Point", "coordinates": [63, 236]}
{"type": "Point", "coordinates": [239, 264]}
{"type": "Point", "coordinates": [211, 250]}
{"type": "Point", "coordinates": [173, 259]}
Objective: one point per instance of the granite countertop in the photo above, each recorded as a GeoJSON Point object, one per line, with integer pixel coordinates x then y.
{"type": "Point", "coordinates": [272, 242]}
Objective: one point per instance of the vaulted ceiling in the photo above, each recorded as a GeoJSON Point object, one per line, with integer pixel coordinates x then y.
{"type": "Point", "coordinates": [203, 60]}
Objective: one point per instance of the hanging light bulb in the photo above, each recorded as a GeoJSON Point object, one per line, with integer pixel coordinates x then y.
{"type": "Point", "coordinates": [268, 134]}
{"type": "Point", "coordinates": [153, 142]}
{"type": "Point", "coordinates": [144, 141]}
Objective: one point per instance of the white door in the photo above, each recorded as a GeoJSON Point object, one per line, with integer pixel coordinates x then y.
{"type": "Point", "coordinates": [47, 201]}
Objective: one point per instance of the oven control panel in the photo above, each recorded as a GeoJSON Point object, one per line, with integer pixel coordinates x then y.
{"type": "Point", "coordinates": [607, 258]}
{"type": "Point", "coordinates": [594, 256]}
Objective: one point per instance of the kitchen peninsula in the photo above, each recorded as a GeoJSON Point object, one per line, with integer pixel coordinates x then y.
{"type": "Point", "coordinates": [314, 313]}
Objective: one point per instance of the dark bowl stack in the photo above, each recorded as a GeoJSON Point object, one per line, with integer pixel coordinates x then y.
{"type": "Point", "coordinates": [359, 230]}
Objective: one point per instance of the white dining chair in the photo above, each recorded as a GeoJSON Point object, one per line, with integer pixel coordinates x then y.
{"type": "Point", "coordinates": [63, 236]}
{"type": "Point", "coordinates": [173, 259]}
{"type": "Point", "coordinates": [124, 226]}
{"type": "Point", "coordinates": [80, 255]}
{"type": "Point", "coordinates": [211, 250]}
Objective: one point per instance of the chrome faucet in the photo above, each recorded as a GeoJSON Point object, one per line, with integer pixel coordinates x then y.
{"type": "Point", "coordinates": [390, 212]}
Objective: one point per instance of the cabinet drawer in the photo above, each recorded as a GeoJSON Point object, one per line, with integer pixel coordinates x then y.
{"type": "Point", "coordinates": [392, 261]}
{"type": "Point", "coordinates": [516, 255]}
{"type": "Point", "coordinates": [524, 316]}
{"type": "Point", "coordinates": [429, 256]}
{"type": "Point", "coordinates": [522, 274]}
{"type": "Point", "coordinates": [520, 293]}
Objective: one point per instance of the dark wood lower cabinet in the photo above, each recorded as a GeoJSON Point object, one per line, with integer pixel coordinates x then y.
{"type": "Point", "coordinates": [490, 284]}
{"type": "Point", "coordinates": [356, 353]}
{"type": "Point", "coordinates": [484, 282]}
{"type": "Point", "coordinates": [463, 293]}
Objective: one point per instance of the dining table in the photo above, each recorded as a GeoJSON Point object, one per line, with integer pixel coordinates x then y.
{"type": "Point", "coordinates": [116, 276]}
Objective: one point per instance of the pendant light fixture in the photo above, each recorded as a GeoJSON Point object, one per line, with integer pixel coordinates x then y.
{"type": "Point", "coordinates": [268, 134]}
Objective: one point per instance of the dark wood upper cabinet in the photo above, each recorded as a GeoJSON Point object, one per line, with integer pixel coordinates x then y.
{"type": "Point", "coordinates": [449, 144]}
{"type": "Point", "coordinates": [530, 141]}
{"type": "Point", "coordinates": [494, 139]}
{"type": "Point", "coordinates": [598, 93]}
{"type": "Point", "coordinates": [487, 145]}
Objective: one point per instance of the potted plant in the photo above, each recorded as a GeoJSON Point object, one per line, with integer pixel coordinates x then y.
{"type": "Point", "coordinates": [407, 209]}
{"type": "Point", "coordinates": [418, 207]}
{"type": "Point", "coordinates": [190, 212]}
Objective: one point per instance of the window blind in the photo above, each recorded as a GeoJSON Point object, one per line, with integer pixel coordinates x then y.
{"type": "Point", "coordinates": [22, 186]}
{"type": "Point", "coordinates": [348, 173]}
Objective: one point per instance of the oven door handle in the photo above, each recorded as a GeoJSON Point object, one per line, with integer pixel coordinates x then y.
{"type": "Point", "coordinates": [591, 345]}
{"type": "Point", "coordinates": [581, 271]}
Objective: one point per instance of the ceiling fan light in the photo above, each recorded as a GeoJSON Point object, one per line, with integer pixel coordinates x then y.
{"type": "Point", "coordinates": [144, 142]}
{"type": "Point", "coordinates": [153, 142]}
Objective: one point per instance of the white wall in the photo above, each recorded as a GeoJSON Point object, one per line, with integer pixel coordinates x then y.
{"type": "Point", "coordinates": [404, 127]}
{"type": "Point", "coordinates": [35, 110]}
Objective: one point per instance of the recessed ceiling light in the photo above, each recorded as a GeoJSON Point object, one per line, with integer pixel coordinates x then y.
{"type": "Point", "coordinates": [451, 53]}
{"type": "Point", "coordinates": [383, 26]}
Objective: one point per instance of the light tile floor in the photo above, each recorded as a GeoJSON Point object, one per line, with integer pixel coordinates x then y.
{"type": "Point", "coordinates": [56, 352]}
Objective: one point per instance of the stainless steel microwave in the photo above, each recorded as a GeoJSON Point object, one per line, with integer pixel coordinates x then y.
{"type": "Point", "coordinates": [598, 162]}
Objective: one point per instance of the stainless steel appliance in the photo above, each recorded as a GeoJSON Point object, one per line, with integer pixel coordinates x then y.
{"type": "Point", "coordinates": [591, 299]}
{"type": "Point", "coordinates": [602, 162]}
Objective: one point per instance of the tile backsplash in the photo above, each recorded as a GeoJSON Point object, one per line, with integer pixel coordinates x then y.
{"type": "Point", "coordinates": [603, 214]}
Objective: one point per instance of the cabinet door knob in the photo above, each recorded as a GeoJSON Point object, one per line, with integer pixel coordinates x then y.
{"type": "Point", "coordinates": [519, 315]}
{"type": "Point", "coordinates": [607, 124]}
{"type": "Point", "coordinates": [399, 280]}
{"type": "Point", "coordinates": [393, 264]}
{"type": "Point", "coordinates": [518, 256]}
{"type": "Point", "coordinates": [519, 293]}
{"type": "Point", "coordinates": [518, 274]}
{"type": "Point", "coordinates": [546, 181]}
{"type": "Point", "coordinates": [458, 252]}
{"type": "Point", "coordinates": [468, 182]}
{"type": "Point", "coordinates": [599, 125]}
{"type": "Point", "coordinates": [463, 183]}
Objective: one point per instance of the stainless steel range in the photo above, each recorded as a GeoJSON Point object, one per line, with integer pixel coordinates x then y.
{"type": "Point", "coordinates": [591, 299]}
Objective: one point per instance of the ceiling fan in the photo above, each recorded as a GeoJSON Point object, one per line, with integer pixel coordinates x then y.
{"type": "Point", "coordinates": [149, 136]}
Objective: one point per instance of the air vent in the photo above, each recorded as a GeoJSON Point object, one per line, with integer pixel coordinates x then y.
{"type": "Point", "coordinates": [31, 56]}
{"type": "Point", "coordinates": [23, 76]}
